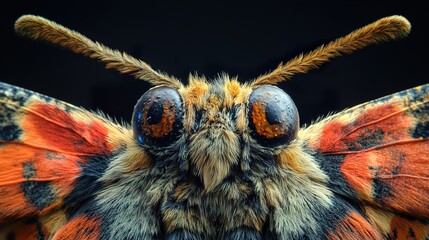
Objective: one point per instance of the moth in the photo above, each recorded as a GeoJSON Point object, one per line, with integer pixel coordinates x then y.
{"type": "Point", "coordinates": [213, 159]}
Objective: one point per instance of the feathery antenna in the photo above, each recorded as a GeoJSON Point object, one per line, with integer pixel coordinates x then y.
{"type": "Point", "coordinates": [383, 30]}
{"type": "Point", "coordinates": [39, 28]}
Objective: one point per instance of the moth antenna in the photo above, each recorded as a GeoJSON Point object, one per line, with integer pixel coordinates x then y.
{"type": "Point", "coordinates": [39, 28]}
{"type": "Point", "coordinates": [383, 30]}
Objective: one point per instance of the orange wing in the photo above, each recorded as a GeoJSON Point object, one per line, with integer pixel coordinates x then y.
{"type": "Point", "coordinates": [376, 155]}
{"type": "Point", "coordinates": [51, 155]}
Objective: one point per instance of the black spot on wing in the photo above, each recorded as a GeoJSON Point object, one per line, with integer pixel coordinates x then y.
{"type": "Point", "coordinates": [67, 108]}
{"type": "Point", "coordinates": [421, 130]}
{"type": "Point", "coordinates": [422, 112]}
{"type": "Point", "coordinates": [379, 187]}
{"type": "Point", "coordinates": [417, 98]}
{"type": "Point", "coordinates": [6, 114]}
{"type": "Point", "coordinates": [18, 95]}
{"type": "Point", "coordinates": [368, 139]}
{"type": "Point", "coordinates": [38, 193]}
{"type": "Point", "coordinates": [419, 94]}
{"type": "Point", "coordinates": [9, 130]}
{"type": "Point", "coordinates": [10, 133]}
{"type": "Point", "coordinates": [371, 138]}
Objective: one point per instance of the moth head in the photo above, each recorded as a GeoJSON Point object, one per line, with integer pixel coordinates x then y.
{"type": "Point", "coordinates": [211, 123]}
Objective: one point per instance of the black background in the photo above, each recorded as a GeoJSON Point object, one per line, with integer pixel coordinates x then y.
{"type": "Point", "coordinates": [240, 38]}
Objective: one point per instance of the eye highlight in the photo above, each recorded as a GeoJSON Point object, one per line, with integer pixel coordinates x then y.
{"type": "Point", "coordinates": [157, 117]}
{"type": "Point", "coordinates": [273, 116]}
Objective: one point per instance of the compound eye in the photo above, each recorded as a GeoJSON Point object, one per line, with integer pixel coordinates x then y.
{"type": "Point", "coordinates": [157, 117]}
{"type": "Point", "coordinates": [273, 116]}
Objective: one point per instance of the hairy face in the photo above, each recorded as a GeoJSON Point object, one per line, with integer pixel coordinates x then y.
{"type": "Point", "coordinates": [214, 127]}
